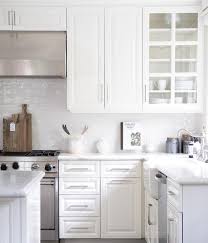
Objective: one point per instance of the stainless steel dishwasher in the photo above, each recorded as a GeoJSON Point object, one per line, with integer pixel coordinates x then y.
{"type": "Point", "coordinates": [162, 206]}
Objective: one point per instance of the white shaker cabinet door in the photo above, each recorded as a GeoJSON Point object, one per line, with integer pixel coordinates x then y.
{"type": "Point", "coordinates": [85, 59]}
{"type": "Point", "coordinates": [39, 18]}
{"type": "Point", "coordinates": [123, 59]}
{"type": "Point", "coordinates": [5, 18]}
{"type": "Point", "coordinates": [174, 225]}
{"type": "Point", "coordinates": [120, 208]}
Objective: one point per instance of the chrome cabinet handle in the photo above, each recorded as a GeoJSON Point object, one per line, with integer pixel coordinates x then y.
{"type": "Point", "coordinates": [171, 193]}
{"type": "Point", "coordinates": [79, 206]}
{"type": "Point", "coordinates": [9, 17]}
{"type": "Point", "coordinates": [145, 93]}
{"type": "Point", "coordinates": [170, 219]}
{"type": "Point", "coordinates": [79, 169]}
{"type": "Point", "coordinates": [79, 228]}
{"type": "Point", "coordinates": [14, 13]}
{"type": "Point", "coordinates": [107, 91]}
{"type": "Point", "coordinates": [102, 93]}
{"type": "Point", "coordinates": [78, 187]}
{"type": "Point", "coordinates": [120, 169]}
{"type": "Point", "coordinates": [149, 221]}
{"type": "Point", "coordinates": [119, 181]}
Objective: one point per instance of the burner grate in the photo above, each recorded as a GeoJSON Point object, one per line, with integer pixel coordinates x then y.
{"type": "Point", "coordinates": [33, 153]}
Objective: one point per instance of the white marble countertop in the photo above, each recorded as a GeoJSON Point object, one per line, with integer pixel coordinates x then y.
{"type": "Point", "coordinates": [117, 156]}
{"type": "Point", "coordinates": [178, 167]}
{"type": "Point", "coordinates": [18, 183]}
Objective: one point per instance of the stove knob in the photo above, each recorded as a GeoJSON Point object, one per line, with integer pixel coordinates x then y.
{"type": "Point", "coordinates": [4, 166]}
{"type": "Point", "coordinates": [48, 167]}
{"type": "Point", "coordinates": [15, 165]}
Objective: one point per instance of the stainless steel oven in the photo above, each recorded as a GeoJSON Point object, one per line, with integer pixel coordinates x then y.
{"type": "Point", "coordinates": [49, 209]}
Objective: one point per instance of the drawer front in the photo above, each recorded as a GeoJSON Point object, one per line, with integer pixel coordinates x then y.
{"type": "Point", "coordinates": [83, 205]}
{"type": "Point", "coordinates": [174, 194]}
{"type": "Point", "coordinates": [79, 186]}
{"type": "Point", "coordinates": [121, 169]}
{"type": "Point", "coordinates": [79, 169]}
{"type": "Point", "coordinates": [72, 227]}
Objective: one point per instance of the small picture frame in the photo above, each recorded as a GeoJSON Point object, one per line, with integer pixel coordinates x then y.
{"type": "Point", "coordinates": [130, 136]}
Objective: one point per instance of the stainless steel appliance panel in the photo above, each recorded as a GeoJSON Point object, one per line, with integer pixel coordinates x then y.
{"type": "Point", "coordinates": [33, 54]}
{"type": "Point", "coordinates": [49, 209]}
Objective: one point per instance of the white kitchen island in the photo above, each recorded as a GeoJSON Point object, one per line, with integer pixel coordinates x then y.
{"type": "Point", "coordinates": [20, 207]}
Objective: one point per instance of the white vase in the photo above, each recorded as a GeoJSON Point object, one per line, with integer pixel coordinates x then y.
{"type": "Point", "coordinates": [102, 146]}
{"type": "Point", "coordinates": [76, 144]}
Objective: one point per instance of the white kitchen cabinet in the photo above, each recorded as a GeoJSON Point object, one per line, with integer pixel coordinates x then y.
{"type": "Point", "coordinates": [79, 197]}
{"type": "Point", "coordinates": [39, 18]}
{"type": "Point", "coordinates": [172, 60]}
{"type": "Point", "coordinates": [85, 82]}
{"type": "Point", "coordinates": [33, 18]}
{"type": "Point", "coordinates": [123, 59]}
{"type": "Point", "coordinates": [151, 219]}
{"type": "Point", "coordinates": [5, 18]}
{"type": "Point", "coordinates": [104, 59]}
{"type": "Point", "coordinates": [79, 227]}
{"type": "Point", "coordinates": [120, 208]}
{"type": "Point", "coordinates": [174, 225]}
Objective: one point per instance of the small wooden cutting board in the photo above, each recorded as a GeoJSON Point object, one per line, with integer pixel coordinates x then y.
{"type": "Point", "coordinates": [17, 132]}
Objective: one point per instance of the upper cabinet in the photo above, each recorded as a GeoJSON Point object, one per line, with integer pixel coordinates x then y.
{"type": "Point", "coordinates": [172, 60]}
{"type": "Point", "coordinates": [85, 27]}
{"type": "Point", "coordinates": [5, 18]}
{"type": "Point", "coordinates": [104, 59]}
{"type": "Point", "coordinates": [123, 59]}
{"type": "Point", "coordinates": [33, 18]}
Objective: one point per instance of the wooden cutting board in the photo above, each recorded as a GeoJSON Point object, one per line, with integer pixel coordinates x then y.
{"type": "Point", "coordinates": [17, 132]}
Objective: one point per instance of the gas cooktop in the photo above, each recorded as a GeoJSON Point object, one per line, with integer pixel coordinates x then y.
{"type": "Point", "coordinates": [33, 153]}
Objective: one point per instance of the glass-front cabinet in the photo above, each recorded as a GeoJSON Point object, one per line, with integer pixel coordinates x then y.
{"type": "Point", "coordinates": [172, 60]}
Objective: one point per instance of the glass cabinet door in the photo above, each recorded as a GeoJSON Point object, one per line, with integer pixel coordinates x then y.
{"type": "Point", "coordinates": [186, 57]}
{"type": "Point", "coordinates": [160, 68]}
{"type": "Point", "coordinates": [171, 54]}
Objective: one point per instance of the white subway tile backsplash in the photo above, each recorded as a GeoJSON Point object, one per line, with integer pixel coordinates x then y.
{"type": "Point", "coordinates": [47, 103]}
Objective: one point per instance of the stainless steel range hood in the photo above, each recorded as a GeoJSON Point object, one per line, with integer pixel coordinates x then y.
{"type": "Point", "coordinates": [32, 54]}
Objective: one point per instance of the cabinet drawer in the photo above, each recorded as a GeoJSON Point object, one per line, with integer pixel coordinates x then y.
{"type": "Point", "coordinates": [83, 205]}
{"type": "Point", "coordinates": [72, 227]}
{"type": "Point", "coordinates": [174, 194]}
{"type": "Point", "coordinates": [79, 168]}
{"type": "Point", "coordinates": [121, 169]}
{"type": "Point", "coordinates": [79, 186]}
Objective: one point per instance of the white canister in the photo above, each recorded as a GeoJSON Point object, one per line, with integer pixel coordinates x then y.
{"type": "Point", "coordinates": [76, 144]}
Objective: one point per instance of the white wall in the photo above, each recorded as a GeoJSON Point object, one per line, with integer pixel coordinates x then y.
{"type": "Point", "coordinates": [47, 103]}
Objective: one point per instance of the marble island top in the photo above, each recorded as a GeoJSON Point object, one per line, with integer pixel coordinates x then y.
{"type": "Point", "coordinates": [18, 183]}
{"type": "Point", "coordinates": [182, 170]}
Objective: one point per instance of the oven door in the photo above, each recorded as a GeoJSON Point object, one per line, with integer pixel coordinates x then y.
{"type": "Point", "coordinates": [49, 208]}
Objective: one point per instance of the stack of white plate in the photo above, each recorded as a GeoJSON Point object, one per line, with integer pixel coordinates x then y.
{"type": "Point", "coordinates": [184, 84]}
{"type": "Point", "coordinates": [160, 101]}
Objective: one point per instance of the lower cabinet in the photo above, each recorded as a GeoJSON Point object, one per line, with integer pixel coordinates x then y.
{"type": "Point", "coordinates": [120, 208]}
{"type": "Point", "coordinates": [151, 219]}
{"type": "Point", "coordinates": [79, 227]}
{"type": "Point", "coordinates": [174, 225]}
{"type": "Point", "coordinates": [105, 205]}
